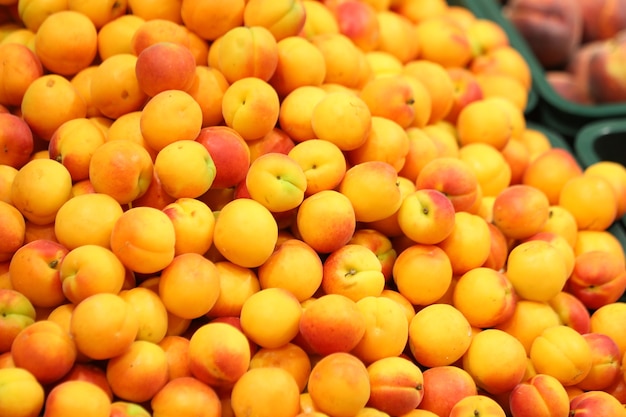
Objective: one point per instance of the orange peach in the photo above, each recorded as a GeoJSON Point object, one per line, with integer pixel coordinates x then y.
{"type": "Point", "coordinates": [449, 44]}
{"type": "Point", "coordinates": [18, 313]}
{"type": "Point", "coordinates": [386, 334]}
{"type": "Point", "coordinates": [39, 189]}
{"type": "Point", "coordinates": [562, 222]}
{"type": "Point", "coordinates": [183, 397]}
{"type": "Point", "coordinates": [541, 395]}
{"type": "Point", "coordinates": [209, 344]}
{"type": "Point", "coordinates": [342, 58]}
{"type": "Point", "coordinates": [422, 149]}
{"type": "Point", "coordinates": [326, 220]}
{"type": "Point", "coordinates": [595, 403]}
{"type": "Point", "coordinates": [152, 31]}
{"type": "Point", "coordinates": [484, 121]}
{"type": "Point", "coordinates": [139, 250]}
{"type": "Point", "coordinates": [398, 36]}
{"type": "Point", "coordinates": [453, 177]}
{"type": "Point", "coordinates": [592, 201]}
{"type": "Point", "coordinates": [571, 311]}
{"type": "Point", "coordinates": [343, 119]}
{"type": "Point", "coordinates": [321, 317]}
{"type": "Point", "coordinates": [165, 66]}
{"type": "Point", "coordinates": [105, 314]}
{"type": "Point", "coordinates": [447, 385]}
{"type": "Point", "coordinates": [491, 169]}
{"type": "Point", "coordinates": [431, 283]}
{"type": "Point", "coordinates": [542, 283]}
{"type": "Point", "coordinates": [520, 211]}
{"type": "Point", "coordinates": [563, 353]}
{"type": "Point", "coordinates": [466, 90]}
{"type": "Point", "coordinates": [339, 384]}
{"type": "Point", "coordinates": [193, 222]}
{"type": "Point", "coordinates": [480, 404]}
{"type": "Point", "coordinates": [20, 66]}
{"type": "Point", "coordinates": [598, 278]}
{"type": "Point", "coordinates": [282, 19]}
{"type": "Point", "coordinates": [251, 394]}
{"type": "Point", "coordinates": [396, 385]}
{"type": "Point", "coordinates": [387, 142]}
{"type": "Point", "coordinates": [289, 357]}
{"type": "Point", "coordinates": [251, 106]}
{"type": "Point", "coordinates": [441, 92]}
{"type": "Point", "coordinates": [229, 152]}
{"type": "Point", "coordinates": [358, 21]}
{"type": "Point", "coordinates": [139, 372]}
{"type": "Point", "coordinates": [430, 344]}
{"type": "Point", "coordinates": [66, 42]}
{"type": "Point", "coordinates": [226, 17]}
{"type": "Point", "coordinates": [71, 398]}
{"type": "Point", "coordinates": [323, 163]}
{"type": "Point", "coordinates": [176, 350]}
{"type": "Point", "coordinates": [150, 311]}
{"type": "Point", "coordinates": [296, 110]}
{"type": "Point", "coordinates": [319, 19]}
{"type": "Point", "coordinates": [45, 349]}
{"type": "Point", "coordinates": [115, 36]}
{"type": "Point", "coordinates": [120, 408]}
{"type": "Point", "coordinates": [13, 229]}
{"type": "Point", "coordinates": [391, 97]}
{"type": "Point", "coordinates": [294, 266]}
{"type": "Point", "coordinates": [615, 173]}
{"type": "Point", "coordinates": [237, 283]}
{"type": "Point", "coordinates": [468, 245]}
{"type": "Point", "coordinates": [550, 170]}
{"type": "Point", "coordinates": [34, 272]}
{"type": "Point", "coordinates": [606, 320]}
{"type": "Point", "coordinates": [115, 89]}
{"type": "Point", "coordinates": [208, 89]}
{"type": "Point", "coordinates": [605, 362]}
{"type": "Point", "coordinates": [22, 395]}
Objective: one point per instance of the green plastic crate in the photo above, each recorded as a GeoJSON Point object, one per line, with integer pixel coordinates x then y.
{"type": "Point", "coordinates": [477, 7]}
{"type": "Point", "coordinates": [554, 111]}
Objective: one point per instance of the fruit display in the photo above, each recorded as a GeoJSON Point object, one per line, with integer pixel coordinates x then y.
{"type": "Point", "coordinates": [295, 208]}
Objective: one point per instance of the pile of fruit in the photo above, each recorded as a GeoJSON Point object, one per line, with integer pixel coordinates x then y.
{"type": "Point", "coordinates": [580, 43]}
{"type": "Point", "coordinates": [294, 208]}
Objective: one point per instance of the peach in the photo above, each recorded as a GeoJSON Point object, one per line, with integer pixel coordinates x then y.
{"type": "Point", "coordinates": [115, 89]}
{"type": "Point", "coordinates": [396, 385]}
{"type": "Point", "coordinates": [485, 297]}
{"type": "Point", "coordinates": [594, 403]}
{"type": "Point", "coordinates": [115, 37]}
{"type": "Point", "coordinates": [371, 188]}
{"type": "Point", "coordinates": [571, 311]}
{"type": "Point", "coordinates": [422, 149]}
{"type": "Point", "coordinates": [326, 220]}
{"type": "Point", "coordinates": [520, 211]}
{"type": "Point", "coordinates": [44, 349]}
{"type": "Point", "coordinates": [449, 44]}
{"type": "Point", "coordinates": [20, 67]}
{"type": "Point", "coordinates": [563, 353]}
{"type": "Point", "coordinates": [549, 264]}
{"type": "Point", "coordinates": [441, 92]}
{"type": "Point", "coordinates": [229, 152]}
{"type": "Point", "coordinates": [343, 119]}
{"type": "Point", "coordinates": [87, 219]}
{"type": "Point", "coordinates": [322, 317]}
{"type": "Point", "coordinates": [484, 121]}
{"type": "Point", "coordinates": [467, 89]}
{"type": "Point", "coordinates": [322, 162]}
{"type": "Point", "coordinates": [386, 142]}
{"type": "Point", "coordinates": [7, 176]}
{"type": "Point", "coordinates": [66, 42]}
{"type": "Point", "coordinates": [139, 250]}
{"type": "Point", "coordinates": [591, 200]}
{"type": "Point", "coordinates": [14, 230]}
{"type": "Point", "coordinates": [498, 251]}
{"type": "Point", "coordinates": [299, 64]}
{"type": "Point", "coordinates": [562, 222]}
{"type": "Point", "coordinates": [40, 188]}
{"type": "Point", "coordinates": [563, 166]}
{"type": "Point", "coordinates": [193, 222]}
{"type": "Point", "coordinates": [176, 350]}
{"type": "Point", "coordinates": [605, 362]}
{"type": "Point", "coordinates": [219, 354]}
{"type": "Point", "coordinates": [152, 31]}
{"type": "Point", "coordinates": [225, 16]}
{"type": "Point", "coordinates": [189, 276]}
{"type": "Point", "coordinates": [121, 169]}
{"type": "Point", "coordinates": [289, 357]}
{"type": "Point", "coordinates": [380, 244]}
{"type": "Point", "coordinates": [393, 27]}
{"type": "Point", "coordinates": [319, 19]}
{"type": "Point", "coordinates": [168, 117]}
{"type": "Point", "coordinates": [121, 408]}
{"type": "Point", "coordinates": [18, 313]}
{"type": "Point", "coordinates": [75, 398]}
{"type": "Point", "coordinates": [491, 169]}
{"type": "Point", "coordinates": [100, 14]}
{"type": "Point", "coordinates": [139, 372]}
{"type": "Point", "coordinates": [359, 22]}
{"type": "Point", "coordinates": [264, 327]}
{"type": "Point", "coordinates": [431, 283]}
{"type": "Point", "coordinates": [447, 385]}
{"type": "Point", "coordinates": [560, 243]}
{"type": "Point", "coordinates": [453, 177]}
{"type": "Point", "coordinates": [34, 272]}
{"type": "Point", "coordinates": [150, 311]}
{"type": "Point", "coordinates": [250, 106]}
{"type": "Point", "coordinates": [22, 395]}
{"type": "Point", "coordinates": [615, 173]}
{"type": "Point", "coordinates": [282, 19]}
{"type": "Point", "coordinates": [386, 334]}
{"type": "Point", "coordinates": [294, 266]}
{"type": "Point", "coordinates": [430, 344]}
{"type": "Point", "coordinates": [354, 271]}
{"type": "Point", "coordinates": [92, 316]}
{"type": "Point", "coordinates": [246, 219]}
{"type": "Point", "coordinates": [589, 240]}
{"type": "Point", "coordinates": [276, 140]}
{"type": "Point", "coordinates": [398, 95]}
{"type": "Point", "coordinates": [183, 397]}
{"type": "Point", "coordinates": [506, 60]}
{"type": "Point", "coordinates": [296, 111]}
{"type": "Point", "coordinates": [541, 395]}
{"type": "Point", "coordinates": [496, 360]}
{"type": "Point", "coordinates": [237, 283]}
{"type": "Point", "coordinates": [339, 384]}
{"type": "Point", "coordinates": [598, 278]}
{"type": "Point", "coordinates": [246, 51]}
{"type": "Point", "coordinates": [343, 60]}
{"type": "Point", "coordinates": [469, 244]}
{"type": "Point", "coordinates": [276, 181]}
{"type": "Point", "coordinates": [251, 394]}
{"type": "Point", "coordinates": [479, 404]}
{"type": "Point", "coordinates": [208, 90]}
{"type": "Point", "coordinates": [529, 320]}
{"type": "Point", "coordinates": [165, 66]}
{"type": "Point", "coordinates": [605, 320]}
{"type": "Point", "coordinates": [90, 269]}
